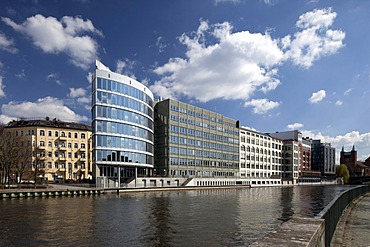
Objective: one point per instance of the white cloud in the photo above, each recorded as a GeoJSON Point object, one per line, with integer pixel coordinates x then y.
{"type": "Point", "coordinates": [317, 97]}
{"type": "Point", "coordinates": [7, 44]}
{"type": "Point", "coordinates": [2, 94]}
{"type": "Point", "coordinates": [76, 92]}
{"type": "Point", "coordinates": [227, 1]}
{"type": "Point", "coordinates": [347, 91]}
{"type": "Point", "coordinates": [160, 44]}
{"type": "Point", "coordinates": [80, 94]}
{"type": "Point", "coordinates": [339, 103]}
{"type": "Point", "coordinates": [54, 77]}
{"type": "Point", "coordinates": [315, 39]}
{"type": "Point", "coordinates": [238, 64]}
{"type": "Point", "coordinates": [295, 126]}
{"type": "Point", "coordinates": [89, 77]}
{"type": "Point", "coordinates": [234, 68]}
{"type": "Point", "coordinates": [125, 67]}
{"type": "Point", "coordinates": [48, 106]}
{"type": "Point", "coordinates": [67, 36]}
{"type": "Point", "coordinates": [21, 75]}
{"type": "Point", "coordinates": [361, 142]}
{"type": "Point", "coordinates": [261, 106]}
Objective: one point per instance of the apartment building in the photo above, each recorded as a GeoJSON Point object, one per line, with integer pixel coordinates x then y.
{"type": "Point", "coordinates": [194, 142]}
{"type": "Point", "coordinates": [60, 150]}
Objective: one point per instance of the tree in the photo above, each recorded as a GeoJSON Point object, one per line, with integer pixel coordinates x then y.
{"type": "Point", "coordinates": [342, 171]}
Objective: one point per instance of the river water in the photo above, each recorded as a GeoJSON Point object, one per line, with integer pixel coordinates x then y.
{"type": "Point", "coordinates": [225, 217]}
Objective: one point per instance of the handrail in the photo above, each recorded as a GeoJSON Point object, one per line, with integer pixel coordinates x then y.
{"type": "Point", "coordinates": [333, 211]}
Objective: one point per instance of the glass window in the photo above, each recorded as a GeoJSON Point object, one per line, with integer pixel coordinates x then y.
{"type": "Point", "coordinates": [42, 132]}
{"type": "Point", "coordinates": [56, 133]}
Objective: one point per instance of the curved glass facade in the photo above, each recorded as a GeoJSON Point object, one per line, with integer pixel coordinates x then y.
{"type": "Point", "coordinates": [122, 119]}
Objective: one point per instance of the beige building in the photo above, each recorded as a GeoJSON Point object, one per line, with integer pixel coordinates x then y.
{"type": "Point", "coordinates": [60, 150]}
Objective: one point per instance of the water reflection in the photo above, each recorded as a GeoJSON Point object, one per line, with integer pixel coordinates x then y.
{"type": "Point", "coordinates": [286, 203]}
{"type": "Point", "coordinates": [230, 217]}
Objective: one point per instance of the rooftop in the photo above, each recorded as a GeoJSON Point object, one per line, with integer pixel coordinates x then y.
{"type": "Point", "coordinates": [54, 123]}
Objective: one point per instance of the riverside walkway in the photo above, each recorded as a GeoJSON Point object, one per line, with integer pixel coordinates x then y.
{"type": "Point", "coordinates": [354, 226]}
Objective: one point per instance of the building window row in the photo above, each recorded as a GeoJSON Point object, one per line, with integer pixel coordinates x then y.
{"type": "Point", "coordinates": [122, 101]}
{"type": "Point", "coordinates": [123, 143]}
{"type": "Point", "coordinates": [190, 132]}
{"type": "Point", "coordinates": [203, 163]}
{"type": "Point", "coordinates": [123, 115]}
{"type": "Point", "coordinates": [200, 115]}
{"type": "Point", "coordinates": [122, 129]}
{"type": "Point", "coordinates": [123, 156]}
{"type": "Point", "coordinates": [124, 89]}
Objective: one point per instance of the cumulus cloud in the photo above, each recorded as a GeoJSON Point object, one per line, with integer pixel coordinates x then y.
{"type": "Point", "coordinates": [261, 106]}
{"type": "Point", "coordinates": [222, 64]}
{"type": "Point", "coordinates": [295, 126]}
{"type": "Point", "coordinates": [317, 97]}
{"type": "Point", "coordinates": [80, 95]}
{"type": "Point", "coordinates": [125, 67]}
{"type": "Point", "coordinates": [7, 44]}
{"type": "Point", "coordinates": [47, 106]}
{"type": "Point", "coordinates": [65, 36]}
{"type": "Point", "coordinates": [314, 38]}
{"type": "Point", "coordinates": [361, 141]}
{"type": "Point", "coordinates": [235, 67]}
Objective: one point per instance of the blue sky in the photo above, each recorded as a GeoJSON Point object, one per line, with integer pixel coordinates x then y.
{"type": "Point", "coordinates": [275, 65]}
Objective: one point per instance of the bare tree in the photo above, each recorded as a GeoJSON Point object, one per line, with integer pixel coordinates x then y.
{"type": "Point", "coordinates": [9, 149]}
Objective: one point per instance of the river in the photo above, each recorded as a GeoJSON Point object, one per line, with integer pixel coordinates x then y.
{"type": "Point", "coordinates": [222, 217]}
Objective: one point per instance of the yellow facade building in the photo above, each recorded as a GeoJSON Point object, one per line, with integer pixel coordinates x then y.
{"type": "Point", "coordinates": [60, 150]}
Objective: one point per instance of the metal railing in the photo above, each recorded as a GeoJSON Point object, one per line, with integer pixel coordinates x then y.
{"type": "Point", "coordinates": [333, 211]}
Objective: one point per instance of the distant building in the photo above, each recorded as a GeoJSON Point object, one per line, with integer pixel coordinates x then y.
{"type": "Point", "coordinates": [62, 150]}
{"type": "Point", "coordinates": [194, 142]}
{"type": "Point", "coordinates": [260, 157]}
{"type": "Point", "coordinates": [323, 158]}
{"type": "Point", "coordinates": [356, 168]}
{"type": "Point", "coordinates": [292, 143]}
{"type": "Point", "coordinates": [122, 120]}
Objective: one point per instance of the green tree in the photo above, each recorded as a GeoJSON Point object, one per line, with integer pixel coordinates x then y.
{"type": "Point", "coordinates": [342, 171]}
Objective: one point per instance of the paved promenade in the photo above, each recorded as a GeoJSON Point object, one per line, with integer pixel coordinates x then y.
{"type": "Point", "coordinates": [354, 226]}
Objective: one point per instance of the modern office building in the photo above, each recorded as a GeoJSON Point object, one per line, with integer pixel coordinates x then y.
{"type": "Point", "coordinates": [60, 150]}
{"type": "Point", "coordinates": [323, 158]}
{"type": "Point", "coordinates": [122, 120]}
{"type": "Point", "coordinates": [260, 157]}
{"type": "Point", "coordinates": [194, 142]}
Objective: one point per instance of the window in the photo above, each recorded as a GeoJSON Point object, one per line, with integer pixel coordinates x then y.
{"type": "Point", "coordinates": [83, 155]}
{"type": "Point", "coordinates": [76, 145]}
{"type": "Point", "coordinates": [82, 136]}
{"type": "Point", "coordinates": [76, 166]}
{"type": "Point", "coordinates": [69, 145]}
{"type": "Point", "coordinates": [56, 154]}
{"type": "Point", "coordinates": [56, 144]}
{"type": "Point", "coordinates": [69, 135]}
{"type": "Point", "coordinates": [50, 144]}
{"type": "Point", "coordinates": [49, 133]}
{"type": "Point", "coordinates": [76, 155]}
{"type": "Point", "coordinates": [82, 145]}
{"type": "Point", "coordinates": [42, 144]}
{"type": "Point", "coordinates": [63, 134]}
{"type": "Point", "coordinates": [49, 165]}
{"type": "Point", "coordinates": [56, 165]}
{"type": "Point", "coordinates": [76, 135]}
{"type": "Point", "coordinates": [82, 165]}
{"type": "Point", "coordinates": [69, 155]}
{"type": "Point", "coordinates": [56, 134]}
{"type": "Point", "coordinates": [50, 154]}
{"type": "Point", "coordinates": [42, 132]}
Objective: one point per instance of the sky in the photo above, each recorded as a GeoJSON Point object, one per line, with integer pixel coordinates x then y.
{"type": "Point", "coordinates": [275, 65]}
